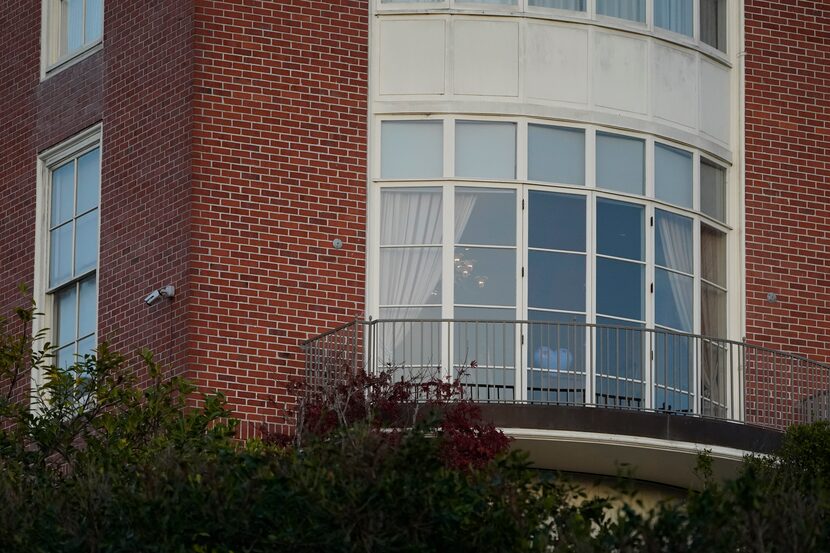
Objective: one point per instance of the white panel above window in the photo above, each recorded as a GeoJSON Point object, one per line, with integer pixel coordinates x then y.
{"type": "Point", "coordinates": [411, 149]}
{"type": "Point", "coordinates": [485, 150]}
{"type": "Point", "coordinates": [673, 175]}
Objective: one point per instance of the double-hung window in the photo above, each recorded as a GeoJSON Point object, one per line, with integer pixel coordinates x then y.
{"type": "Point", "coordinates": [68, 241]}
{"type": "Point", "coordinates": [70, 28]}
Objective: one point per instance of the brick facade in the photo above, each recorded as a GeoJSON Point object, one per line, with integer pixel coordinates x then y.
{"type": "Point", "coordinates": [787, 167]}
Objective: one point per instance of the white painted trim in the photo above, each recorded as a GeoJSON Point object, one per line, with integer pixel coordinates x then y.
{"type": "Point", "coordinates": [691, 448]}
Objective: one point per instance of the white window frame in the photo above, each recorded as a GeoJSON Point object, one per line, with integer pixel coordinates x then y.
{"type": "Point", "coordinates": [50, 62]}
{"type": "Point", "coordinates": [43, 296]}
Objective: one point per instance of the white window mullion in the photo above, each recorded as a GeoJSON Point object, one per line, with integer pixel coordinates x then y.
{"type": "Point", "coordinates": [448, 278]}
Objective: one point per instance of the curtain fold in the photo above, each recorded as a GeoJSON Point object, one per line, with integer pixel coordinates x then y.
{"type": "Point", "coordinates": [675, 15]}
{"type": "Point", "coordinates": [634, 10]}
{"type": "Point", "coordinates": [676, 250]}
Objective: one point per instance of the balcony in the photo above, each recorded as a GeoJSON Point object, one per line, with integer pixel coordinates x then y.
{"type": "Point", "coordinates": [601, 394]}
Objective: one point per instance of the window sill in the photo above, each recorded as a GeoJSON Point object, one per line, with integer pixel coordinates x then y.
{"type": "Point", "coordinates": [68, 61]}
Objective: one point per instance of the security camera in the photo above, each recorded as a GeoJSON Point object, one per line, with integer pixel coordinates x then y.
{"type": "Point", "coordinates": [154, 296]}
{"type": "Point", "coordinates": [166, 292]}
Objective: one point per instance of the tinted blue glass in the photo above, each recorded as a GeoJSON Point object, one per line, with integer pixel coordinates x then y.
{"type": "Point", "coordinates": [485, 276]}
{"type": "Point", "coordinates": [556, 280]}
{"type": "Point", "coordinates": [621, 163]}
{"type": "Point", "coordinates": [674, 300]}
{"type": "Point", "coordinates": [620, 287]}
{"type": "Point", "coordinates": [620, 229]}
{"type": "Point", "coordinates": [556, 154]}
{"type": "Point", "coordinates": [556, 221]}
{"type": "Point", "coordinates": [620, 358]}
{"type": "Point", "coordinates": [485, 216]}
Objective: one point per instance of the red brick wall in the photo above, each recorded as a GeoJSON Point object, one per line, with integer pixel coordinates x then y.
{"type": "Point", "coordinates": [279, 172]}
{"type": "Point", "coordinates": [139, 85]}
{"type": "Point", "coordinates": [787, 170]}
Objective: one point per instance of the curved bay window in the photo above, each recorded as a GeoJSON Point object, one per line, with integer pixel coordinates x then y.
{"type": "Point", "coordinates": [613, 267]}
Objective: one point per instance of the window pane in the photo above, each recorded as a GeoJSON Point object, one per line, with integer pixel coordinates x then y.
{"type": "Point", "coordinates": [63, 193]}
{"type": "Point", "coordinates": [673, 363]}
{"type": "Point", "coordinates": [88, 180]}
{"type": "Point", "coordinates": [556, 280]}
{"type": "Point", "coordinates": [94, 24]}
{"type": "Point", "coordinates": [712, 311]}
{"type": "Point", "coordinates": [485, 351]}
{"type": "Point", "coordinates": [713, 190]}
{"type": "Point", "coordinates": [60, 256]}
{"type": "Point", "coordinates": [88, 306]}
{"type": "Point", "coordinates": [503, 2]}
{"type": "Point", "coordinates": [485, 276]}
{"type": "Point", "coordinates": [556, 221]}
{"type": "Point", "coordinates": [485, 216]}
{"type": "Point", "coordinates": [620, 229]}
{"type": "Point", "coordinates": [410, 216]}
{"type": "Point", "coordinates": [675, 15]}
{"type": "Point", "coordinates": [621, 163]}
{"type": "Point", "coordinates": [65, 357]}
{"type": "Point", "coordinates": [409, 1]}
{"type": "Point", "coordinates": [73, 24]}
{"type": "Point", "coordinates": [576, 5]}
{"type": "Point", "coordinates": [673, 241]}
{"type": "Point", "coordinates": [412, 349]}
{"type": "Point", "coordinates": [556, 154]}
{"type": "Point", "coordinates": [674, 300]}
{"type": "Point", "coordinates": [410, 276]}
{"type": "Point", "coordinates": [66, 315]}
{"type": "Point", "coordinates": [673, 175]}
{"type": "Point", "coordinates": [713, 255]}
{"type": "Point", "coordinates": [556, 354]}
{"type": "Point", "coordinates": [411, 150]}
{"type": "Point", "coordinates": [620, 286]}
{"type": "Point", "coordinates": [485, 150]}
{"type": "Point", "coordinates": [619, 361]}
{"type": "Point", "coordinates": [86, 242]}
{"type": "Point", "coordinates": [713, 23]}
{"type": "Point", "coordinates": [635, 10]}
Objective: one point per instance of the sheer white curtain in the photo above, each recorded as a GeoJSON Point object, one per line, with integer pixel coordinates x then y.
{"type": "Point", "coordinates": [677, 250]}
{"type": "Point", "coordinates": [675, 15]}
{"type": "Point", "coordinates": [635, 10]}
{"type": "Point", "coordinates": [576, 5]}
{"type": "Point", "coordinates": [410, 275]}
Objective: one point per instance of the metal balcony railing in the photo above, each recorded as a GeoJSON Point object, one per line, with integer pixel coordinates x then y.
{"type": "Point", "coordinates": [617, 367]}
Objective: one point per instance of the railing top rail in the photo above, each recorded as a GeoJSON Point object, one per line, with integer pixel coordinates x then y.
{"type": "Point", "coordinates": [662, 331]}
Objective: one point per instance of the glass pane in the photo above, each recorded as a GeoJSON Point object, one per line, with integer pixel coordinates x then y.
{"type": "Point", "coordinates": [485, 150]}
{"type": "Point", "coordinates": [73, 24]}
{"type": "Point", "coordinates": [410, 216]}
{"type": "Point", "coordinates": [635, 10]}
{"type": "Point", "coordinates": [620, 348]}
{"type": "Point", "coordinates": [94, 23]}
{"type": "Point", "coordinates": [556, 221]}
{"type": "Point", "coordinates": [485, 276]}
{"type": "Point", "coordinates": [620, 286]}
{"type": "Point", "coordinates": [673, 372]}
{"type": "Point", "coordinates": [485, 216]}
{"type": "Point", "coordinates": [556, 154]}
{"type": "Point", "coordinates": [86, 347]}
{"type": "Point", "coordinates": [485, 352]}
{"type": "Point", "coordinates": [407, 346]}
{"type": "Point", "coordinates": [620, 229]}
{"type": "Point", "coordinates": [673, 241]}
{"type": "Point", "coordinates": [556, 280]}
{"type": "Point", "coordinates": [88, 306]}
{"type": "Point", "coordinates": [621, 163]}
{"type": "Point", "coordinates": [713, 190]}
{"type": "Point", "coordinates": [502, 2]}
{"type": "Point", "coordinates": [65, 331]}
{"type": "Point", "coordinates": [713, 23]}
{"type": "Point", "coordinates": [713, 255]}
{"type": "Point", "coordinates": [88, 180]}
{"type": "Point", "coordinates": [409, 1]}
{"type": "Point", "coordinates": [576, 5]}
{"type": "Point", "coordinates": [86, 242]}
{"type": "Point", "coordinates": [65, 357]}
{"type": "Point", "coordinates": [412, 150]}
{"type": "Point", "coordinates": [713, 311]}
{"type": "Point", "coordinates": [556, 357]}
{"type": "Point", "coordinates": [60, 255]}
{"type": "Point", "coordinates": [63, 193]}
{"type": "Point", "coordinates": [675, 15]}
{"type": "Point", "coordinates": [674, 300]}
{"type": "Point", "coordinates": [410, 276]}
{"type": "Point", "coordinates": [673, 175]}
